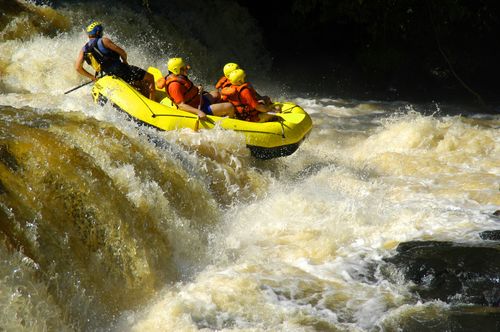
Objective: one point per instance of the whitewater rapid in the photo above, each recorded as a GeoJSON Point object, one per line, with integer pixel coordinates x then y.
{"type": "Point", "coordinates": [109, 226]}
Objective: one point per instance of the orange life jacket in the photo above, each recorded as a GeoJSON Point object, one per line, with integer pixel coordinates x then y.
{"type": "Point", "coordinates": [232, 94]}
{"type": "Point", "coordinates": [222, 83]}
{"type": "Point", "coordinates": [192, 91]}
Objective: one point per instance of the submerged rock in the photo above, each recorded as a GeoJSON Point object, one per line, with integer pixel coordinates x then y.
{"type": "Point", "coordinates": [7, 158]}
{"type": "Point", "coordinates": [435, 318]}
{"type": "Point", "coordinates": [490, 235]}
{"type": "Point", "coordinates": [2, 188]}
{"type": "Point", "coordinates": [451, 272]}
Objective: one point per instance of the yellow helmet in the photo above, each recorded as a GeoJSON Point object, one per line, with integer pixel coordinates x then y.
{"type": "Point", "coordinates": [229, 67]}
{"type": "Point", "coordinates": [175, 65]}
{"type": "Point", "coordinates": [237, 77]}
{"type": "Point", "coordinates": [94, 28]}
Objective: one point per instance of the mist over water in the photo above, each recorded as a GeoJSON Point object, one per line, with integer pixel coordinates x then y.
{"type": "Point", "coordinates": [106, 225]}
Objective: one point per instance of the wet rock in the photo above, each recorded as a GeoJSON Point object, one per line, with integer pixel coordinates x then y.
{"type": "Point", "coordinates": [496, 213]}
{"type": "Point", "coordinates": [451, 272]}
{"type": "Point", "coordinates": [490, 235]}
{"type": "Point", "coordinates": [474, 319]}
{"type": "Point", "coordinates": [8, 159]}
{"type": "Point", "coordinates": [430, 319]}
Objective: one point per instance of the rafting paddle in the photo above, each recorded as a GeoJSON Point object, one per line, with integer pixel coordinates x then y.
{"type": "Point", "coordinates": [78, 87]}
{"type": "Point", "coordinates": [155, 72]}
{"type": "Point", "coordinates": [197, 124]}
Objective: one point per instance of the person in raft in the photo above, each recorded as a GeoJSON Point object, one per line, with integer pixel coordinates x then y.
{"type": "Point", "coordinates": [109, 59]}
{"type": "Point", "coordinates": [224, 82]}
{"type": "Point", "coordinates": [189, 97]}
{"type": "Point", "coordinates": [244, 99]}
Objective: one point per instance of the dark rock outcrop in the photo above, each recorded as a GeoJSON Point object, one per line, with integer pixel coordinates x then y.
{"type": "Point", "coordinates": [451, 272]}
{"type": "Point", "coordinates": [490, 235]}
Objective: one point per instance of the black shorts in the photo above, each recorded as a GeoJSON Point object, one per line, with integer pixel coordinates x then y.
{"type": "Point", "coordinates": [128, 73]}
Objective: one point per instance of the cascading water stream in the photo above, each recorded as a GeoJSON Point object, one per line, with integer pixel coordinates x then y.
{"type": "Point", "coordinates": [106, 225]}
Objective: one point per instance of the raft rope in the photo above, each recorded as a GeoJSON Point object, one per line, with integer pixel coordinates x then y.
{"type": "Point", "coordinates": [137, 93]}
{"type": "Point", "coordinates": [282, 129]}
{"type": "Point", "coordinates": [281, 120]}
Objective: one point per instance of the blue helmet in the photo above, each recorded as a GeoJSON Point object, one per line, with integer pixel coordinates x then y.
{"type": "Point", "coordinates": [94, 29]}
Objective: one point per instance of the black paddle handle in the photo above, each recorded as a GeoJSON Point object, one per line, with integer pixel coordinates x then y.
{"type": "Point", "coordinates": [78, 87]}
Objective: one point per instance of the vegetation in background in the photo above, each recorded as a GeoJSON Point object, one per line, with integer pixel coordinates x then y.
{"type": "Point", "coordinates": [422, 48]}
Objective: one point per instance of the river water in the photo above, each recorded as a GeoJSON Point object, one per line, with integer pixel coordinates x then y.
{"type": "Point", "coordinates": [108, 226]}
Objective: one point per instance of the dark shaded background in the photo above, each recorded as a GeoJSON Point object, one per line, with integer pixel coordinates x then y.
{"type": "Point", "coordinates": [414, 50]}
{"type": "Point", "coordinates": [417, 50]}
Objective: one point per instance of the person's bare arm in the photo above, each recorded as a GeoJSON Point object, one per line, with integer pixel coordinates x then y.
{"type": "Point", "coordinates": [263, 99]}
{"type": "Point", "coordinates": [188, 108]}
{"type": "Point", "coordinates": [160, 83]}
{"type": "Point", "coordinates": [112, 46]}
{"type": "Point", "coordinates": [263, 108]}
{"type": "Point", "coordinates": [79, 67]}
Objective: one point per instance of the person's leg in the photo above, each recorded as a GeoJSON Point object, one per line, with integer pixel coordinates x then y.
{"type": "Point", "coordinates": [118, 69]}
{"type": "Point", "coordinates": [141, 87]}
{"type": "Point", "coordinates": [214, 96]}
{"type": "Point", "coordinates": [149, 82]}
{"type": "Point", "coordinates": [223, 109]}
{"type": "Point", "coordinates": [140, 79]}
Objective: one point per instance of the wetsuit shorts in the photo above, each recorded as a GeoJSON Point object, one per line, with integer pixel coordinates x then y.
{"type": "Point", "coordinates": [128, 73]}
{"type": "Point", "coordinates": [205, 107]}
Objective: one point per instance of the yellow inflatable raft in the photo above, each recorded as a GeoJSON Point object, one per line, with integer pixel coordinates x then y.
{"type": "Point", "coordinates": [265, 140]}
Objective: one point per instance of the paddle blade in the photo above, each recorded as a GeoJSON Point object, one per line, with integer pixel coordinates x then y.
{"type": "Point", "coordinates": [197, 124]}
{"type": "Point", "coordinates": [155, 72]}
